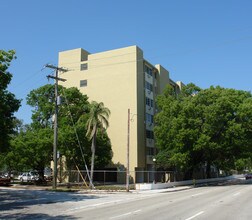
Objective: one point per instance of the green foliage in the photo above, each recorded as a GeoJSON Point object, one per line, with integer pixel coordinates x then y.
{"type": "Point", "coordinates": [72, 116]}
{"type": "Point", "coordinates": [104, 152]}
{"type": "Point", "coordinates": [244, 165]}
{"type": "Point", "coordinates": [196, 127]}
{"type": "Point", "coordinates": [8, 103]}
{"type": "Point", "coordinates": [41, 100]}
{"type": "Point", "coordinates": [98, 118]}
{"type": "Point", "coordinates": [32, 149]}
{"type": "Point", "coordinates": [31, 146]}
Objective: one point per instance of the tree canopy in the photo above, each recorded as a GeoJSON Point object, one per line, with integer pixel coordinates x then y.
{"type": "Point", "coordinates": [32, 149]}
{"type": "Point", "coordinates": [8, 103]}
{"type": "Point", "coordinates": [203, 128]}
{"type": "Point", "coordinates": [37, 138]}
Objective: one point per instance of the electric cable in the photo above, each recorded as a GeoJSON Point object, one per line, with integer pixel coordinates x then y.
{"type": "Point", "coordinates": [78, 140]}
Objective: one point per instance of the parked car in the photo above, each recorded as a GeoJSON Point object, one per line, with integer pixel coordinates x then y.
{"type": "Point", "coordinates": [28, 176]}
{"type": "Point", "coordinates": [9, 174]}
{"type": "Point", "coordinates": [5, 180]}
{"type": "Point", "coordinates": [48, 174]}
{"type": "Point", "coordinates": [48, 177]}
{"type": "Point", "coordinates": [248, 176]}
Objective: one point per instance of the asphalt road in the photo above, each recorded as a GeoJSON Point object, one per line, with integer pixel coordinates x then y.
{"type": "Point", "coordinates": [208, 202]}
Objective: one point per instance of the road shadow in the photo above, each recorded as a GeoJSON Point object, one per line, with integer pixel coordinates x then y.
{"type": "Point", "coordinates": [36, 216]}
{"type": "Point", "coordinates": [13, 200]}
{"type": "Point", "coordinates": [227, 183]}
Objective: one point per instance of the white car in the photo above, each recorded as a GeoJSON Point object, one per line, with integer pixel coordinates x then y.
{"type": "Point", "coordinates": [28, 177]}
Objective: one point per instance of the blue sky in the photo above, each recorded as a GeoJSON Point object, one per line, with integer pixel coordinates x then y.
{"type": "Point", "coordinates": [200, 41]}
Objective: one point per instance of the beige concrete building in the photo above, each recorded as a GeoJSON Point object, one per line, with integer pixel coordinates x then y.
{"type": "Point", "coordinates": [122, 79]}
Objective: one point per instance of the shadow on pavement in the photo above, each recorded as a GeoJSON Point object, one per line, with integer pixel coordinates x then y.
{"type": "Point", "coordinates": [12, 200]}
{"type": "Point", "coordinates": [227, 182]}
{"type": "Point", "coordinates": [36, 216]}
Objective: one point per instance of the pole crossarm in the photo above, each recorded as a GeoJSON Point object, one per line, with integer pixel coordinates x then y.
{"type": "Point", "coordinates": [56, 68]}
{"type": "Point", "coordinates": [53, 77]}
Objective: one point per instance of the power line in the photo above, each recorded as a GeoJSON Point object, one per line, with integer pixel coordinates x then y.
{"type": "Point", "coordinates": [220, 44]}
{"type": "Point", "coordinates": [28, 78]}
{"type": "Point", "coordinates": [78, 140]}
{"type": "Point", "coordinates": [193, 50]}
{"type": "Point", "coordinates": [102, 58]}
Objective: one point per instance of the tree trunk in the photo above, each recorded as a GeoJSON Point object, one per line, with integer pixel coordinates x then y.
{"type": "Point", "coordinates": [208, 170]}
{"type": "Point", "coordinates": [92, 159]}
{"type": "Point", "coordinates": [188, 174]}
{"type": "Point", "coordinates": [41, 175]}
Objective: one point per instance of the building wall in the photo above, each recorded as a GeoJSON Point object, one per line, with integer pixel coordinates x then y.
{"type": "Point", "coordinates": [118, 79]}
{"type": "Point", "coordinates": [164, 78]}
{"type": "Point", "coordinates": [140, 116]}
{"type": "Point", "coordinates": [111, 79]}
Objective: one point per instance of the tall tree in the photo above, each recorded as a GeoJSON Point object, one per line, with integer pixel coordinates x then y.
{"type": "Point", "coordinates": [97, 122]}
{"type": "Point", "coordinates": [203, 127]}
{"type": "Point", "coordinates": [11, 159]}
{"type": "Point", "coordinates": [223, 137]}
{"type": "Point", "coordinates": [33, 149]}
{"type": "Point", "coordinates": [69, 146]}
{"type": "Point", "coordinates": [73, 105]}
{"type": "Point", "coordinates": [72, 117]}
{"type": "Point", "coordinates": [8, 103]}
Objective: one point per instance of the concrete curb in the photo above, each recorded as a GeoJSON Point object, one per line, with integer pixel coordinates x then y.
{"type": "Point", "coordinates": [155, 186]}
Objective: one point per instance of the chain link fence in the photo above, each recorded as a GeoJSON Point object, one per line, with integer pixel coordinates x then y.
{"type": "Point", "coordinates": [108, 177]}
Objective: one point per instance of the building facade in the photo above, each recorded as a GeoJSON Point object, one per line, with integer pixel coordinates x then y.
{"type": "Point", "coordinates": [122, 79]}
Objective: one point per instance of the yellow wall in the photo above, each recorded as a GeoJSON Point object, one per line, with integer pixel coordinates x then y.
{"type": "Point", "coordinates": [111, 79]}
{"type": "Point", "coordinates": [117, 79]}
{"type": "Point", "coordinates": [163, 78]}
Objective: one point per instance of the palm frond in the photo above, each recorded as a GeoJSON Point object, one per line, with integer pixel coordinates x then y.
{"type": "Point", "coordinates": [98, 118]}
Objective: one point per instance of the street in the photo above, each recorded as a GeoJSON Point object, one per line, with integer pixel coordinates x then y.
{"type": "Point", "coordinates": [207, 202]}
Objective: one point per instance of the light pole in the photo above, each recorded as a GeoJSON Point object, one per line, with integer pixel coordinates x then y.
{"type": "Point", "coordinates": [128, 143]}
{"type": "Point", "coordinates": [154, 161]}
{"type": "Point", "coordinates": [128, 149]}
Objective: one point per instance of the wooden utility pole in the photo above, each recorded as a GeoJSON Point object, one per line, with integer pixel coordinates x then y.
{"type": "Point", "coordinates": [57, 102]}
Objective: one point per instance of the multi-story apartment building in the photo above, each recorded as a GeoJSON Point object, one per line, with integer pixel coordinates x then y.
{"type": "Point", "coordinates": [122, 79]}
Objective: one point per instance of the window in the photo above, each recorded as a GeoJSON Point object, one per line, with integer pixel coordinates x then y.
{"type": "Point", "coordinates": [149, 102]}
{"type": "Point", "coordinates": [149, 118]}
{"type": "Point", "coordinates": [150, 151]}
{"type": "Point", "coordinates": [83, 66]}
{"type": "Point", "coordinates": [83, 83]}
{"type": "Point", "coordinates": [148, 70]}
{"type": "Point", "coordinates": [149, 134]}
{"type": "Point", "coordinates": [148, 86]}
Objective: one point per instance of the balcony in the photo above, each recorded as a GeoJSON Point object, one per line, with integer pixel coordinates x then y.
{"type": "Point", "coordinates": [149, 93]}
{"type": "Point", "coordinates": [149, 142]}
{"type": "Point", "coordinates": [148, 78]}
{"type": "Point", "coordinates": [149, 126]}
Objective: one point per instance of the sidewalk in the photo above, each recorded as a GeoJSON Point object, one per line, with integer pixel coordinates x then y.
{"type": "Point", "coordinates": [171, 189]}
{"type": "Point", "coordinates": [88, 191]}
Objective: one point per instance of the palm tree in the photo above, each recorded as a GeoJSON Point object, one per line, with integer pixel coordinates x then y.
{"type": "Point", "coordinates": [98, 121]}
